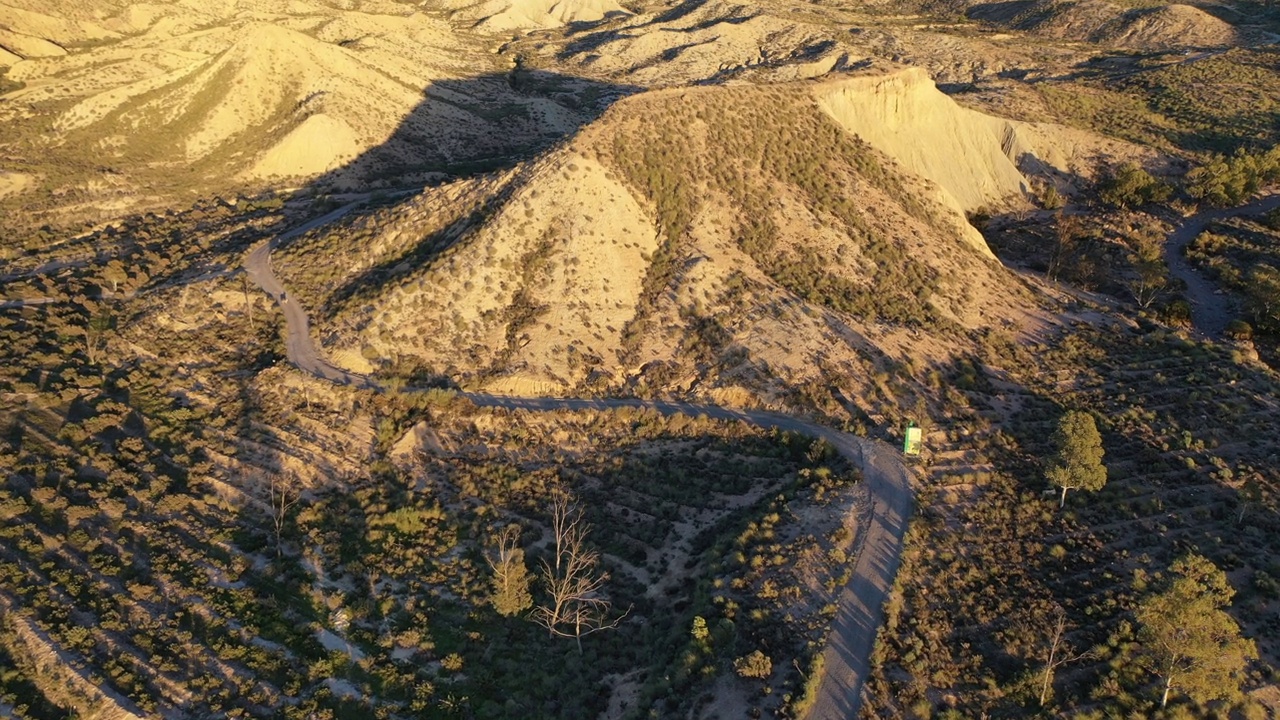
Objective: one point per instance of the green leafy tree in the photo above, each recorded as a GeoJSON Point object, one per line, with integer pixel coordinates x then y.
{"type": "Point", "coordinates": [115, 274]}
{"type": "Point", "coordinates": [1188, 640]}
{"type": "Point", "coordinates": [101, 322]}
{"type": "Point", "coordinates": [1252, 495]}
{"type": "Point", "coordinates": [1050, 198]}
{"type": "Point", "coordinates": [1077, 464]}
{"type": "Point", "coordinates": [1216, 183]}
{"type": "Point", "coordinates": [511, 594]}
{"type": "Point", "coordinates": [1130, 186]}
{"type": "Point", "coordinates": [1226, 181]}
{"type": "Point", "coordinates": [700, 631]}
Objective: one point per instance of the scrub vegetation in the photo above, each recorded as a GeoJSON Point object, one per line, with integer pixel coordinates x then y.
{"type": "Point", "coordinates": [603, 200]}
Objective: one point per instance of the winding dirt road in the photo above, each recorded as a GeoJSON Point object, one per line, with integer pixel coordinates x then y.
{"type": "Point", "coordinates": [1209, 311]}
{"type": "Point", "coordinates": [861, 602]}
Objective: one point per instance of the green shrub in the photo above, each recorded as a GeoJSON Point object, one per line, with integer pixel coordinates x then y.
{"type": "Point", "coordinates": [1263, 292]}
{"type": "Point", "coordinates": [812, 681]}
{"type": "Point", "coordinates": [1177, 313]}
{"type": "Point", "coordinates": [1239, 330]}
{"type": "Point", "coordinates": [1227, 181]}
{"type": "Point", "coordinates": [755, 665]}
{"type": "Point", "coordinates": [1051, 199]}
{"type": "Point", "coordinates": [1131, 186]}
{"type": "Point", "coordinates": [7, 84]}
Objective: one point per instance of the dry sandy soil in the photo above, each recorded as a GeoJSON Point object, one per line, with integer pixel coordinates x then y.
{"type": "Point", "coordinates": [263, 93]}
{"type": "Point", "coordinates": [599, 239]}
{"type": "Point", "coordinates": [569, 237]}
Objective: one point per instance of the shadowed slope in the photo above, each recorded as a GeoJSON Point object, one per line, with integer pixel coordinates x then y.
{"type": "Point", "coordinates": [719, 237]}
{"type": "Point", "coordinates": [881, 531]}
{"type": "Point", "coordinates": [268, 97]}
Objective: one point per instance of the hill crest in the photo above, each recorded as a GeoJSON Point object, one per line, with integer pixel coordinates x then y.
{"type": "Point", "coordinates": [703, 233]}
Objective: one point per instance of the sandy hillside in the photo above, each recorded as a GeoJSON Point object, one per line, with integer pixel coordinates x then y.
{"type": "Point", "coordinates": [979, 161]}
{"type": "Point", "coordinates": [61, 22]}
{"type": "Point", "coordinates": [1169, 27]}
{"type": "Point", "coordinates": [506, 15]}
{"type": "Point", "coordinates": [26, 46]}
{"type": "Point", "coordinates": [1072, 20]}
{"type": "Point", "coordinates": [12, 183]}
{"type": "Point", "coordinates": [971, 156]}
{"type": "Point", "coordinates": [267, 80]}
{"type": "Point", "coordinates": [276, 91]}
{"type": "Point", "coordinates": [318, 144]}
{"type": "Point", "coordinates": [73, 22]}
{"type": "Point", "coordinates": [640, 245]}
{"type": "Point", "coordinates": [1165, 27]}
{"type": "Point", "coordinates": [708, 41]}
{"type": "Point", "coordinates": [725, 42]}
{"type": "Point", "coordinates": [246, 94]}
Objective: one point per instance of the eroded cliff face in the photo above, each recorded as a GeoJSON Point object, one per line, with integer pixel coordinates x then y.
{"type": "Point", "coordinates": [970, 156]}
{"type": "Point", "coordinates": [976, 160]}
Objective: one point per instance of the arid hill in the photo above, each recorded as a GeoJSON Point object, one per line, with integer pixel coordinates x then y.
{"type": "Point", "coordinates": [262, 96]}
{"type": "Point", "coordinates": [508, 15]}
{"type": "Point", "coordinates": [242, 97]}
{"type": "Point", "coordinates": [732, 240]}
{"type": "Point", "coordinates": [1165, 27]}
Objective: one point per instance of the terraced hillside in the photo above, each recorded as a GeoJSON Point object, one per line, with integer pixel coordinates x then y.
{"type": "Point", "coordinates": [192, 529]}
{"type": "Point", "coordinates": [1189, 452]}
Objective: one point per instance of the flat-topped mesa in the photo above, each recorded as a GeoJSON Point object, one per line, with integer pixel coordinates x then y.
{"type": "Point", "coordinates": [973, 158]}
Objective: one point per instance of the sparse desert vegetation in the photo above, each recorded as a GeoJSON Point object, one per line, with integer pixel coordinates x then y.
{"type": "Point", "coordinates": [151, 514]}
{"type": "Point", "coordinates": [469, 493]}
{"type": "Point", "coordinates": [1188, 471]}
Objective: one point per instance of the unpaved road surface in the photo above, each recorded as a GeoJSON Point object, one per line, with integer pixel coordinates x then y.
{"type": "Point", "coordinates": [298, 344]}
{"type": "Point", "coordinates": [861, 602]}
{"type": "Point", "coordinates": [1209, 311]}
{"type": "Point", "coordinates": [860, 610]}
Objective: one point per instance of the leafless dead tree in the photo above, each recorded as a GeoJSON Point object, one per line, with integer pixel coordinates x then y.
{"type": "Point", "coordinates": [285, 493]}
{"type": "Point", "coordinates": [1059, 654]}
{"type": "Point", "coordinates": [576, 605]}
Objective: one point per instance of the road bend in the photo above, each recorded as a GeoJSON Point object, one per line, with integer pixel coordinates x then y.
{"type": "Point", "coordinates": [1209, 310]}
{"type": "Point", "coordinates": [860, 606]}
